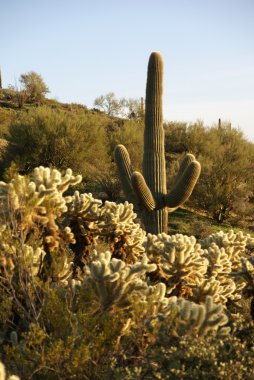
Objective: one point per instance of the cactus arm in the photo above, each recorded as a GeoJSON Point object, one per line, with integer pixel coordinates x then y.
{"type": "Point", "coordinates": [186, 181]}
{"type": "Point", "coordinates": [123, 163]}
{"type": "Point", "coordinates": [142, 191]}
{"type": "Point", "coordinates": [188, 158]}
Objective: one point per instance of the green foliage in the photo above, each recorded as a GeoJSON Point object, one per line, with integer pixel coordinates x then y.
{"type": "Point", "coordinates": [109, 104]}
{"type": "Point", "coordinates": [132, 109]}
{"type": "Point", "coordinates": [135, 109]}
{"type": "Point", "coordinates": [44, 136]}
{"type": "Point", "coordinates": [129, 133]}
{"type": "Point", "coordinates": [34, 86]}
{"type": "Point", "coordinates": [225, 186]}
{"type": "Point", "coordinates": [192, 358]}
{"type": "Point", "coordinates": [6, 116]}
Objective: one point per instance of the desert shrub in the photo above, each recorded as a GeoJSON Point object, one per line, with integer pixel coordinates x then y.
{"type": "Point", "coordinates": [109, 184]}
{"type": "Point", "coordinates": [129, 133]}
{"type": "Point", "coordinates": [224, 189]}
{"type": "Point", "coordinates": [193, 358]}
{"type": "Point", "coordinates": [6, 116]}
{"type": "Point", "coordinates": [49, 137]}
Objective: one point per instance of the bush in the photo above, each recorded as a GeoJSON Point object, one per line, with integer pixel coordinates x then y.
{"type": "Point", "coordinates": [49, 137]}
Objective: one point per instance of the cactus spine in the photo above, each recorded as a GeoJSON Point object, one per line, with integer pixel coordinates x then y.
{"type": "Point", "coordinates": [150, 190]}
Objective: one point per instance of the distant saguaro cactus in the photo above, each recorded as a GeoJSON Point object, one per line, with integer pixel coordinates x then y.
{"type": "Point", "coordinates": [149, 191]}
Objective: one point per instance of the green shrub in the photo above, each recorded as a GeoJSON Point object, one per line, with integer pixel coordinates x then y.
{"type": "Point", "coordinates": [49, 137]}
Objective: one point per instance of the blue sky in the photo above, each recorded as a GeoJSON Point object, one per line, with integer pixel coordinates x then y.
{"type": "Point", "coordinates": [84, 49]}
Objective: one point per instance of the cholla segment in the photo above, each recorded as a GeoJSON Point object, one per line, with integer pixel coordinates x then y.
{"type": "Point", "coordinates": [219, 270]}
{"type": "Point", "coordinates": [46, 178]}
{"type": "Point", "coordinates": [198, 319]}
{"type": "Point", "coordinates": [111, 220]}
{"type": "Point", "coordinates": [219, 262]}
{"type": "Point", "coordinates": [35, 203]}
{"type": "Point", "coordinates": [85, 208]}
{"type": "Point", "coordinates": [235, 245]}
{"type": "Point", "coordinates": [117, 215]}
{"type": "Point", "coordinates": [221, 291]}
{"type": "Point", "coordinates": [12, 255]}
{"type": "Point", "coordinates": [179, 258]}
{"type": "Point", "coordinates": [114, 281]}
{"type": "Point", "coordinates": [34, 197]}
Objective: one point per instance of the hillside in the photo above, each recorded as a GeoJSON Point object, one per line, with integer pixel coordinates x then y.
{"type": "Point", "coordinates": [71, 135]}
{"type": "Point", "coordinates": [10, 107]}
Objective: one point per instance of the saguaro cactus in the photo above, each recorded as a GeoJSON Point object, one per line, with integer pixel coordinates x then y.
{"type": "Point", "coordinates": [149, 191]}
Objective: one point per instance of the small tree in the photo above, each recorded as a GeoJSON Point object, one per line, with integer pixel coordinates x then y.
{"type": "Point", "coordinates": [34, 86]}
{"type": "Point", "coordinates": [0, 80]}
{"type": "Point", "coordinates": [109, 104]}
{"type": "Point", "coordinates": [225, 183]}
{"type": "Point", "coordinates": [135, 109]}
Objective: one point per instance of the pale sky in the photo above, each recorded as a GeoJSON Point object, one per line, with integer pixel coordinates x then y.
{"type": "Point", "coordinates": [84, 49]}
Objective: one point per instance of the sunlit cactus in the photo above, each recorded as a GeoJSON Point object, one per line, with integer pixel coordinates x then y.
{"type": "Point", "coordinates": [202, 320]}
{"type": "Point", "coordinates": [115, 282]}
{"type": "Point", "coordinates": [235, 244]}
{"type": "Point", "coordinates": [92, 221]}
{"type": "Point", "coordinates": [180, 260]}
{"type": "Point", "coordinates": [148, 191]}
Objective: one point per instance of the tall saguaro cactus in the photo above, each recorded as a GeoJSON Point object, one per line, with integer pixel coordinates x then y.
{"type": "Point", "coordinates": [149, 190]}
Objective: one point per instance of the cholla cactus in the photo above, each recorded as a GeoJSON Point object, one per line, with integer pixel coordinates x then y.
{"type": "Point", "coordinates": [37, 201]}
{"type": "Point", "coordinates": [83, 215]}
{"type": "Point", "coordinates": [32, 198]}
{"type": "Point", "coordinates": [221, 291]}
{"type": "Point", "coordinates": [3, 375]}
{"type": "Point", "coordinates": [198, 319]}
{"type": "Point", "coordinates": [235, 244]}
{"type": "Point", "coordinates": [32, 259]}
{"type": "Point", "coordinates": [86, 209]}
{"type": "Point", "coordinates": [33, 203]}
{"type": "Point", "coordinates": [225, 252]}
{"type": "Point", "coordinates": [127, 237]}
{"type": "Point", "coordinates": [193, 272]}
{"type": "Point", "coordinates": [219, 270]}
{"type": "Point", "coordinates": [115, 282]}
{"type": "Point", "coordinates": [117, 218]}
{"type": "Point", "coordinates": [179, 258]}
{"type": "Point", "coordinates": [53, 179]}
{"type": "Point", "coordinates": [90, 220]}
{"type": "Point", "coordinates": [12, 255]}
